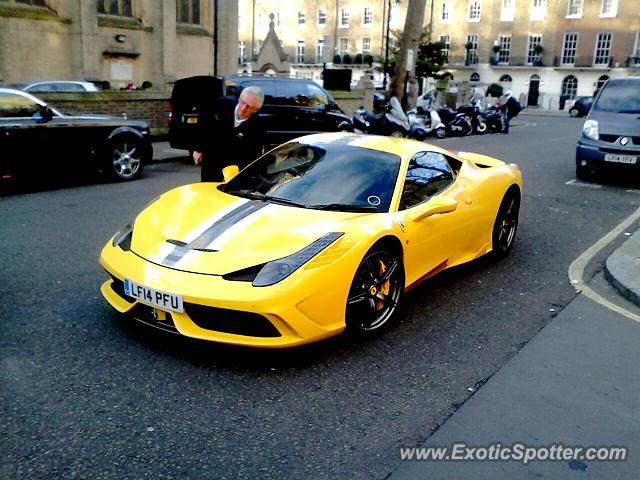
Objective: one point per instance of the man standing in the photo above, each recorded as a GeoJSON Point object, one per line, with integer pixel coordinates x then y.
{"type": "Point", "coordinates": [234, 136]}
{"type": "Point", "coordinates": [510, 108]}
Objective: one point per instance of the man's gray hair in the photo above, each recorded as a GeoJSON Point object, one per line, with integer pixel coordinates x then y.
{"type": "Point", "coordinates": [255, 92]}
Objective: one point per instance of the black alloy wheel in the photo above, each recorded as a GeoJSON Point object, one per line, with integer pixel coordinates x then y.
{"type": "Point", "coordinates": [125, 161]}
{"type": "Point", "coordinates": [506, 224]}
{"type": "Point", "coordinates": [375, 292]}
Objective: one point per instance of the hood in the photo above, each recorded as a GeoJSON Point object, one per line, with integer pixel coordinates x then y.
{"type": "Point", "coordinates": [197, 228]}
{"type": "Point", "coordinates": [610, 123]}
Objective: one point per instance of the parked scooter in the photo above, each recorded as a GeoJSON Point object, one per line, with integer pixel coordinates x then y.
{"type": "Point", "coordinates": [455, 123]}
{"type": "Point", "coordinates": [394, 122]}
{"type": "Point", "coordinates": [429, 120]}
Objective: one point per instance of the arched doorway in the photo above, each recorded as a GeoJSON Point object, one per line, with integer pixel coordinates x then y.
{"type": "Point", "coordinates": [534, 91]}
{"type": "Point", "coordinates": [601, 81]}
{"type": "Point", "coordinates": [569, 90]}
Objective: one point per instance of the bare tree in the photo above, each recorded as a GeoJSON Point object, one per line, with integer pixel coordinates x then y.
{"type": "Point", "coordinates": [410, 40]}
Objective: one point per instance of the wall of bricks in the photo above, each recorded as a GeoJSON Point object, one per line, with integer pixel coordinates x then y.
{"type": "Point", "coordinates": [153, 107]}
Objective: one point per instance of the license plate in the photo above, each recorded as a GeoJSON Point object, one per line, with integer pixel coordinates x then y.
{"type": "Point", "coordinates": [610, 157]}
{"type": "Point", "coordinates": [153, 297]}
{"type": "Point", "coordinates": [189, 119]}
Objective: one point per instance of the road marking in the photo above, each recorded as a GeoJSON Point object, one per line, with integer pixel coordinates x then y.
{"type": "Point", "coordinates": [633, 190]}
{"type": "Point", "coordinates": [562, 138]}
{"type": "Point", "coordinates": [577, 183]}
{"type": "Point", "coordinates": [577, 267]}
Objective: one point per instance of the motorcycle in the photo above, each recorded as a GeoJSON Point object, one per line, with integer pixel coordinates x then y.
{"type": "Point", "coordinates": [393, 122]}
{"type": "Point", "coordinates": [493, 118]}
{"type": "Point", "coordinates": [455, 123]}
{"type": "Point", "coordinates": [429, 122]}
{"type": "Point", "coordinates": [473, 113]}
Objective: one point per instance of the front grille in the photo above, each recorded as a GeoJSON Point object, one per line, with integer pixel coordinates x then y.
{"type": "Point", "coordinates": [118, 287]}
{"type": "Point", "coordinates": [231, 321]}
{"type": "Point", "coordinates": [614, 138]}
{"type": "Point", "coordinates": [144, 314]}
{"type": "Point", "coordinates": [619, 151]}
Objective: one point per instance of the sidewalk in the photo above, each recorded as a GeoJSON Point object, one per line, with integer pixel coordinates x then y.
{"type": "Point", "coordinates": [576, 383]}
{"type": "Point", "coordinates": [162, 152]}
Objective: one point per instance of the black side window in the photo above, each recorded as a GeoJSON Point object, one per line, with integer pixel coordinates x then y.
{"type": "Point", "coordinates": [428, 174]}
{"type": "Point", "coordinates": [12, 105]}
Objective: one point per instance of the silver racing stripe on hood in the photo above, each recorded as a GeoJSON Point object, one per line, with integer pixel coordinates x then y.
{"type": "Point", "coordinates": [206, 237]}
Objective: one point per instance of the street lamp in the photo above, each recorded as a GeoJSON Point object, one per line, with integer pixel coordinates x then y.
{"type": "Point", "coordinates": [386, 50]}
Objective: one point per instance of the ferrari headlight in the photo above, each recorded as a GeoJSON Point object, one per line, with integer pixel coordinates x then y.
{"type": "Point", "coordinates": [277, 270]}
{"type": "Point", "coordinates": [590, 129]}
{"type": "Point", "coordinates": [122, 238]}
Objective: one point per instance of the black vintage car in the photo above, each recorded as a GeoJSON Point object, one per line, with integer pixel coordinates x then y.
{"type": "Point", "coordinates": [292, 107]}
{"type": "Point", "coordinates": [37, 141]}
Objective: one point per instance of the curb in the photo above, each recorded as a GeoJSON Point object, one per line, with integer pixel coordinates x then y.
{"type": "Point", "coordinates": [622, 269]}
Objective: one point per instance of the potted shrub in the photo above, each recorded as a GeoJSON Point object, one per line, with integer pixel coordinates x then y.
{"type": "Point", "coordinates": [346, 59]}
{"type": "Point", "coordinates": [358, 59]}
{"type": "Point", "coordinates": [337, 59]}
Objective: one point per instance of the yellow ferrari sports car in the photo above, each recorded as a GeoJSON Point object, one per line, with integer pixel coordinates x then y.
{"type": "Point", "coordinates": [322, 234]}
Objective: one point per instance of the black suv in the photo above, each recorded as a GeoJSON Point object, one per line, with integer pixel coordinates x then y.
{"type": "Point", "coordinates": [292, 107]}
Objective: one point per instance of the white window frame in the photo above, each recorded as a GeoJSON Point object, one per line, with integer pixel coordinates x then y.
{"type": "Point", "coordinates": [571, 48]}
{"type": "Point", "coordinates": [445, 16]}
{"type": "Point", "coordinates": [474, 11]}
{"type": "Point", "coordinates": [612, 11]}
{"type": "Point", "coordinates": [575, 3]}
{"type": "Point", "coordinates": [471, 55]}
{"type": "Point", "coordinates": [504, 55]}
{"type": "Point", "coordinates": [320, 50]}
{"type": "Point", "coordinates": [446, 39]}
{"type": "Point", "coordinates": [538, 10]}
{"type": "Point", "coordinates": [322, 15]}
{"type": "Point", "coordinates": [367, 17]}
{"type": "Point", "coordinates": [343, 46]}
{"type": "Point", "coordinates": [507, 10]}
{"type": "Point", "coordinates": [300, 51]}
{"type": "Point", "coordinates": [533, 40]}
{"type": "Point", "coordinates": [242, 52]}
{"type": "Point", "coordinates": [366, 45]}
{"type": "Point", "coordinates": [344, 18]}
{"type": "Point", "coordinates": [573, 92]}
{"type": "Point", "coordinates": [602, 51]}
{"type": "Point", "coordinates": [635, 57]}
{"type": "Point", "coordinates": [302, 17]}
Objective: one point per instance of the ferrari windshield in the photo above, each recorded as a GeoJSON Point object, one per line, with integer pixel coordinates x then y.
{"type": "Point", "coordinates": [327, 176]}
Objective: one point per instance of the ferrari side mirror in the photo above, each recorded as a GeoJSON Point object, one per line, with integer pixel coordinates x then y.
{"type": "Point", "coordinates": [229, 172]}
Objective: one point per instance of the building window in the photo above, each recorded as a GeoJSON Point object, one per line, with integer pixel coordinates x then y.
{"type": "Point", "coordinates": [367, 19]}
{"type": "Point", "coordinates": [302, 18]}
{"type": "Point", "coordinates": [320, 50]}
{"type": "Point", "coordinates": [570, 87]}
{"type": "Point", "coordinates": [538, 10]}
{"type": "Point", "coordinates": [603, 47]}
{"type": "Point", "coordinates": [188, 11]}
{"type": "Point", "coordinates": [343, 46]}
{"type": "Point", "coordinates": [534, 40]}
{"type": "Point", "coordinates": [120, 8]}
{"type": "Point", "coordinates": [474, 11]}
{"type": "Point", "coordinates": [472, 51]}
{"type": "Point", "coordinates": [475, 77]}
{"type": "Point", "coordinates": [34, 3]}
{"type": "Point", "coordinates": [574, 9]}
{"type": "Point", "coordinates": [300, 52]}
{"type": "Point", "coordinates": [322, 18]}
{"type": "Point", "coordinates": [635, 59]}
{"type": "Point", "coordinates": [366, 45]}
{"type": "Point", "coordinates": [446, 11]}
{"type": "Point", "coordinates": [241, 52]}
{"type": "Point", "coordinates": [278, 22]}
{"type": "Point", "coordinates": [445, 40]}
{"type": "Point", "coordinates": [609, 8]}
{"type": "Point", "coordinates": [508, 11]}
{"type": "Point", "coordinates": [569, 47]}
{"type": "Point", "coordinates": [601, 81]}
{"type": "Point", "coordinates": [506, 79]}
{"type": "Point", "coordinates": [258, 46]}
{"type": "Point", "coordinates": [344, 17]}
{"type": "Point", "coordinates": [505, 49]}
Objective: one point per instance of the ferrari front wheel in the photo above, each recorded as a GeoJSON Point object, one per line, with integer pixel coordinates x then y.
{"type": "Point", "coordinates": [506, 224]}
{"type": "Point", "coordinates": [375, 292]}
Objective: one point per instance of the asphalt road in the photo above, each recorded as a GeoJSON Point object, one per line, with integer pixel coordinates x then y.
{"type": "Point", "coordinates": [85, 395]}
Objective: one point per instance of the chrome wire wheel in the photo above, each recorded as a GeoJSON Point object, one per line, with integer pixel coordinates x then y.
{"type": "Point", "coordinates": [375, 292]}
{"type": "Point", "coordinates": [126, 159]}
{"type": "Point", "coordinates": [506, 224]}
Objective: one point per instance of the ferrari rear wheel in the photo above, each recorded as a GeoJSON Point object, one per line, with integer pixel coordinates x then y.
{"type": "Point", "coordinates": [375, 292]}
{"type": "Point", "coordinates": [506, 224]}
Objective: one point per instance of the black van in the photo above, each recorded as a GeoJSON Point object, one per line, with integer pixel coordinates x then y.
{"type": "Point", "coordinates": [292, 107]}
{"type": "Point", "coordinates": [610, 140]}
